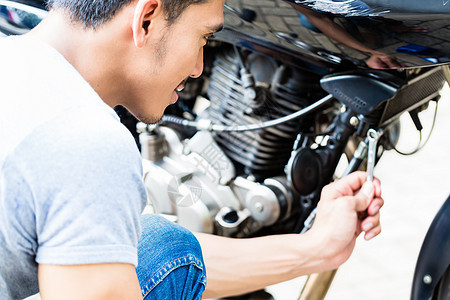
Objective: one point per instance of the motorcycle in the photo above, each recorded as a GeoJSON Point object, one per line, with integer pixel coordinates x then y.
{"type": "Point", "coordinates": [294, 94]}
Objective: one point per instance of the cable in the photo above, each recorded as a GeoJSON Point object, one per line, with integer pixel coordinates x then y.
{"type": "Point", "coordinates": [419, 146]}
{"type": "Point", "coordinates": [204, 124]}
{"type": "Point", "coordinates": [178, 121]}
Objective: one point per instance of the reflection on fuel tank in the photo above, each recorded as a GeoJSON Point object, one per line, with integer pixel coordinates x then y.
{"type": "Point", "coordinates": [371, 33]}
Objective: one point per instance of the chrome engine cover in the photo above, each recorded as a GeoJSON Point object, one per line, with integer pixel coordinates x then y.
{"type": "Point", "coordinates": [196, 185]}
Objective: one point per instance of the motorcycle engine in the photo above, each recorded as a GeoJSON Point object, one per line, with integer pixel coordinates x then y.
{"type": "Point", "coordinates": [274, 91]}
{"type": "Point", "coordinates": [232, 183]}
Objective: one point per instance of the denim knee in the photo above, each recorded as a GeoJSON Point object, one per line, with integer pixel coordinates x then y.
{"type": "Point", "coordinates": [170, 261]}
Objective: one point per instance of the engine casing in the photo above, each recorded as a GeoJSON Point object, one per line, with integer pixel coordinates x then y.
{"type": "Point", "coordinates": [196, 185]}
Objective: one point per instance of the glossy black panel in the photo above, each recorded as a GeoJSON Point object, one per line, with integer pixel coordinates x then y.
{"type": "Point", "coordinates": [35, 3]}
{"type": "Point", "coordinates": [18, 17]}
{"type": "Point", "coordinates": [323, 34]}
{"type": "Point", "coordinates": [335, 34]}
{"type": "Point", "coordinates": [434, 256]}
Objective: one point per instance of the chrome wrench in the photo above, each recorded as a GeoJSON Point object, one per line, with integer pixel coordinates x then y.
{"type": "Point", "coordinates": [372, 136]}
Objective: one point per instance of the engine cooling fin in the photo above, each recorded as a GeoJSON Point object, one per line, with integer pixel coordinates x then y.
{"type": "Point", "coordinates": [280, 91]}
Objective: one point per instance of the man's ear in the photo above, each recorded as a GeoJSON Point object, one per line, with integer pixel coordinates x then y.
{"type": "Point", "coordinates": [145, 13]}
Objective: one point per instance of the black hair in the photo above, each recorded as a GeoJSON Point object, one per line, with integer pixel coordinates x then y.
{"type": "Point", "coordinates": [93, 13]}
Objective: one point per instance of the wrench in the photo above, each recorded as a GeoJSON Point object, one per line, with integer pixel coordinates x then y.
{"type": "Point", "coordinates": [372, 136]}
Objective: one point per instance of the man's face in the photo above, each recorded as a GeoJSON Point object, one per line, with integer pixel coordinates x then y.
{"type": "Point", "coordinates": [172, 56]}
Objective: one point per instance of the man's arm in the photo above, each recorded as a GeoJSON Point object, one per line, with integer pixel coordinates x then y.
{"type": "Point", "coordinates": [96, 282]}
{"type": "Point", "coordinates": [236, 266]}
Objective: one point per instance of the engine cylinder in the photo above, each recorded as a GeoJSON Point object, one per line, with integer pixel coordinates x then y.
{"type": "Point", "coordinates": [280, 90]}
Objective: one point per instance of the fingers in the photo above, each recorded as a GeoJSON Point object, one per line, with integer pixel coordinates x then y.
{"type": "Point", "coordinates": [377, 185]}
{"type": "Point", "coordinates": [379, 60]}
{"type": "Point", "coordinates": [372, 233]}
{"type": "Point", "coordinates": [363, 198]}
{"type": "Point", "coordinates": [369, 197]}
{"type": "Point", "coordinates": [355, 182]}
{"type": "Point", "coordinates": [371, 224]}
{"type": "Point", "coordinates": [375, 63]}
{"type": "Point", "coordinates": [358, 190]}
{"type": "Point", "coordinates": [416, 28]}
{"type": "Point", "coordinates": [360, 196]}
{"type": "Point", "coordinates": [374, 206]}
{"type": "Point", "coordinates": [391, 61]}
{"type": "Point", "coordinates": [349, 186]}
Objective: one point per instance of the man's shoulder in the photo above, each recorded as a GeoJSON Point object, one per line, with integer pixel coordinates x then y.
{"type": "Point", "coordinates": [81, 133]}
{"type": "Point", "coordinates": [46, 101]}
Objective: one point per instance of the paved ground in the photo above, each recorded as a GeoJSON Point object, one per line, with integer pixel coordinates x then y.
{"type": "Point", "coordinates": [414, 188]}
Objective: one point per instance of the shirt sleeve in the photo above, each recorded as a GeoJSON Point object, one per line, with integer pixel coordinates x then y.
{"type": "Point", "coordinates": [85, 174]}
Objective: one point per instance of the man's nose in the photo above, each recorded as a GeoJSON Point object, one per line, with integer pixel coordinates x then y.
{"type": "Point", "coordinates": [198, 69]}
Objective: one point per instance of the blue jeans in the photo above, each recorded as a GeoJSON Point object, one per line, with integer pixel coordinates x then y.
{"type": "Point", "coordinates": [170, 262]}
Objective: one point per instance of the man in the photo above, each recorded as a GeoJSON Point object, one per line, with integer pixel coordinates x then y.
{"type": "Point", "coordinates": [71, 191]}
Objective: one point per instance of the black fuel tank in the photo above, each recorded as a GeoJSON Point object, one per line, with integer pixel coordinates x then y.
{"type": "Point", "coordinates": [378, 34]}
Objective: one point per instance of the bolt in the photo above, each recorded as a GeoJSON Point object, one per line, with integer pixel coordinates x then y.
{"type": "Point", "coordinates": [354, 121]}
{"type": "Point", "coordinates": [427, 279]}
{"type": "Point", "coordinates": [250, 93]}
{"type": "Point", "coordinates": [259, 207]}
{"type": "Point", "coordinates": [251, 178]}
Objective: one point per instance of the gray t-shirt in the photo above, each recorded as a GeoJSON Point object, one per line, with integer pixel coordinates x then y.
{"type": "Point", "coordinates": [71, 189]}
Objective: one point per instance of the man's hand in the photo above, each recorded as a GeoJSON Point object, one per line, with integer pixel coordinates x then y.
{"type": "Point", "coordinates": [338, 222]}
{"type": "Point", "coordinates": [380, 60]}
{"type": "Point", "coordinates": [237, 266]}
